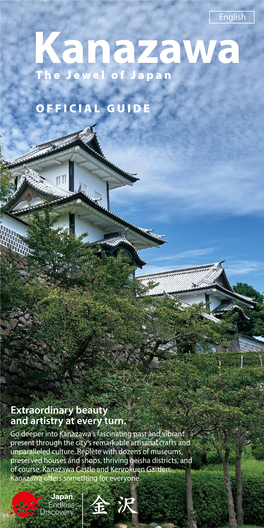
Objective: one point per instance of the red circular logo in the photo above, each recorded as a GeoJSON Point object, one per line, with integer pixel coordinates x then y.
{"type": "Point", "coordinates": [24, 504]}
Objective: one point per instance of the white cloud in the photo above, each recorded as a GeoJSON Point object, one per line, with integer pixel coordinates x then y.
{"type": "Point", "coordinates": [191, 253]}
{"type": "Point", "coordinates": [192, 187]}
{"type": "Point", "coordinates": [244, 267]}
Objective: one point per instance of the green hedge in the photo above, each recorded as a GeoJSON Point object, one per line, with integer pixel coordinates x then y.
{"type": "Point", "coordinates": [253, 498]}
{"type": "Point", "coordinates": [161, 498]}
{"type": "Point", "coordinates": [209, 497]}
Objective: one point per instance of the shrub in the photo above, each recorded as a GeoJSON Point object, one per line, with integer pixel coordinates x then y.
{"type": "Point", "coordinates": [162, 497]}
{"type": "Point", "coordinates": [209, 498]}
{"type": "Point", "coordinates": [253, 498]}
{"type": "Point", "coordinates": [258, 451]}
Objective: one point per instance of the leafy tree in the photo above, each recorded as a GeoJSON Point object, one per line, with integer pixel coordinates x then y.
{"type": "Point", "coordinates": [56, 254]}
{"type": "Point", "coordinates": [234, 398]}
{"type": "Point", "coordinates": [180, 408]}
{"type": "Point", "coordinates": [221, 406]}
{"type": "Point", "coordinates": [255, 323]}
{"type": "Point", "coordinates": [87, 310]}
{"type": "Point", "coordinates": [6, 181]}
{"type": "Point", "coordinates": [245, 289]}
{"type": "Point", "coordinates": [80, 300]}
{"type": "Point", "coordinates": [165, 326]}
{"type": "Point", "coordinates": [124, 391]}
{"type": "Point", "coordinates": [248, 396]}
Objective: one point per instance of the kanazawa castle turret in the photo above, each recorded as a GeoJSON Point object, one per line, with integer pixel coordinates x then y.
{"type": "Point", "coordinates": [74, 176]}
{"type": "Point", "coordinates": [207, 283]}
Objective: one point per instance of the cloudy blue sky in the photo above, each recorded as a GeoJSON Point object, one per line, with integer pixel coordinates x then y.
{"type": "Point", "coordinates": [198, 152]}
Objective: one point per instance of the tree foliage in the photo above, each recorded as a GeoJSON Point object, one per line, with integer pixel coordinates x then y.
{"type": "Point", "coordinates": [85, 306]}
{"type": "Point", "coordinates": [6, 181]}
{"type": "Point", "coordinates": [181, 408]}
{"type": "Point", "coordinates": [80, 300]}
{"type": "Point", "coordinates": [125, 393]}
{"type": "Point", "coordinates": [255, 323]}
{"type": "Point", "coordinates": [223, 406]}
{"type": "Point", "coordinates": [100, 324]}
{"type": "Point", "coordinates": [234, 408]}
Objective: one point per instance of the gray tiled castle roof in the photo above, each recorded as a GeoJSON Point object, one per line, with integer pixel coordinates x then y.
{"type": "Point", "coordinates": [49, 147]}
{"type": "Point", "coordinates": [100, 208]}
{"type": "Point", "coordinates": [229, 306]}
{"type": "Point", "coordinates": [37, 182]}
{"type": "Point", "coordinates": [59, 196]}
{"type": "Point", "coordinates": [191, 279]}
{"type": "Point", "coordinates": [120, 240]}
{"type": "Point", "coordinates": [85, 138]}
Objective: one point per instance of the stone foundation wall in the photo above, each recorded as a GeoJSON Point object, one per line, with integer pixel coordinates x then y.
{"type": "Point", "coordinates": [25, 370]}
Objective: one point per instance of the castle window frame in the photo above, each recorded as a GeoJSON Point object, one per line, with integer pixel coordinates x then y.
{"type": "Point", "coordinates": [83, 187]}
{"type": "Point", "coordinates": [61, 180]}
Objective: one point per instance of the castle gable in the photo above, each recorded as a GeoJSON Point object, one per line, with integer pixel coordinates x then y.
{"type": "Point", "coordinates": [33, 190]}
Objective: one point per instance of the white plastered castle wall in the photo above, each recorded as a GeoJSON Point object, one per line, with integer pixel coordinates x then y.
{"type": "Point", "coordinates": [14, 225]}
{"type": "Point", "coordinates": [94, 232]}
{"type": "Point", "coordinates": [81, 226]}
{"type": "Point", "coordinates": [52, 172]}
{"type": "Point", "coordinates": [93, 182]}
{"type": "Point", "coordinates": [63, 222]}
{"type": "Point", "coordinates": [191, 298]}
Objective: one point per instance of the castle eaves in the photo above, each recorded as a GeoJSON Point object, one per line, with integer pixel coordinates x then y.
{"type": "Point", "coordinates": [85, 139]}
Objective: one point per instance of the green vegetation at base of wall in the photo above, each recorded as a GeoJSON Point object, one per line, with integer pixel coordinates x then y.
{"type": "Point", "coordinates": [161, 498]}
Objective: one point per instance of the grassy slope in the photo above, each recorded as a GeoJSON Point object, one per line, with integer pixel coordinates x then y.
{"type": "Point", "coordinates": [248, 466]}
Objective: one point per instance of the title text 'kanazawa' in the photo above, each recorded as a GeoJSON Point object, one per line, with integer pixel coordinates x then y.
{"type": "Point", "coordinates": [125, 52]}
